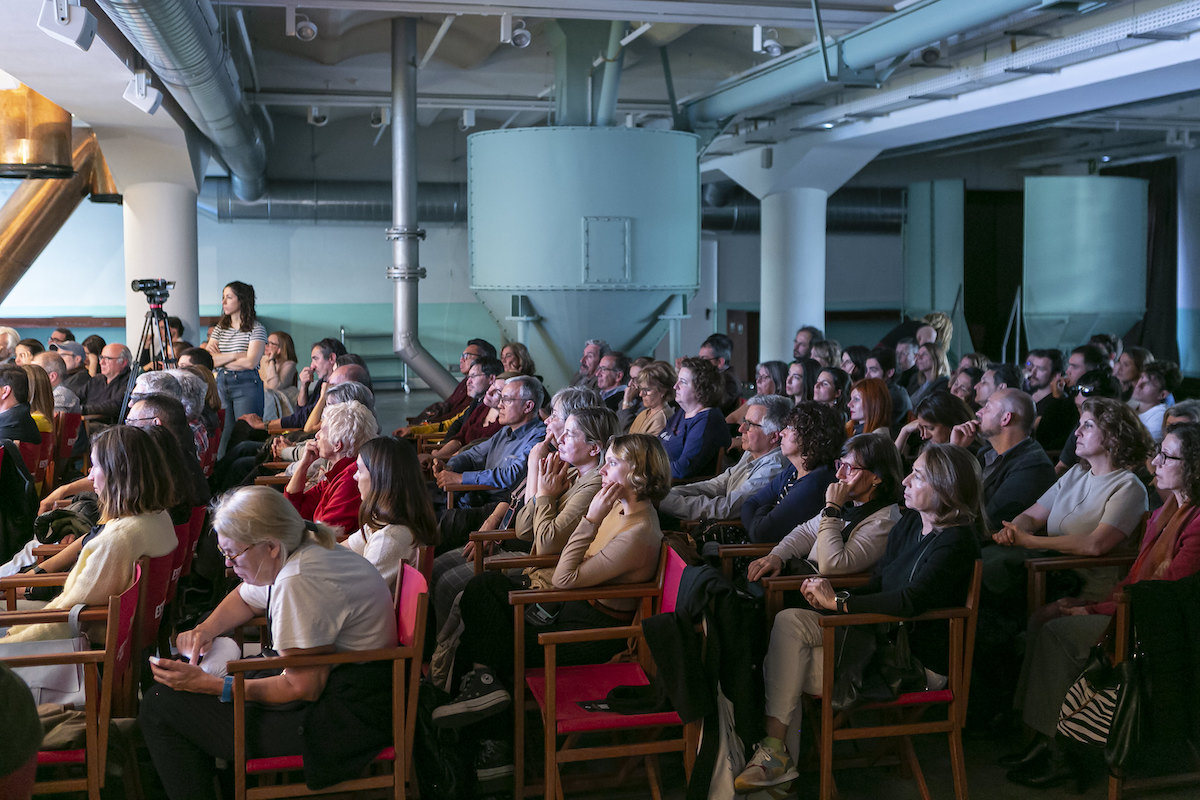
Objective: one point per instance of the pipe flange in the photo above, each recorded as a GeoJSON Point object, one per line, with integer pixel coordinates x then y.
{"type": "Point", "coordinates": [399, 273]}
{"type": "Point", "coordinates": [398, 233]}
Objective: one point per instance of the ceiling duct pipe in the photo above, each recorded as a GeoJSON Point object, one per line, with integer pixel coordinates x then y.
{"type": "Point", "coordinates": [404, 234]}
{"type": "Point", "coordinates": [181, 41]}
{"type": "Point", "coordinates": [893, 36]}
{"type": "Point", "coordinates": [330, 201]}
{"type": "Point", "coordinates": [38, 208]}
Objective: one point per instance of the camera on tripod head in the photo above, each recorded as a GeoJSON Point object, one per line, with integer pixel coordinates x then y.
{"type": "Point", "coordinates": [156, 289]}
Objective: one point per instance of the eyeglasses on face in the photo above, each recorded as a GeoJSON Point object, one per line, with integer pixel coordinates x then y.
{"type": "Point", "coordinates": [1159, 453]}
{"type": "Point", "coordinates": [842, 464]}
{"type": "Point", "coordinates": [233, 557]}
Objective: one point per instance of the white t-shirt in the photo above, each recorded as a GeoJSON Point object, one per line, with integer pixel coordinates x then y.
{"type": "Point", "coordinates": [386, 548]}
{"type": "Point", "coordinates": [1080, 501]}
{"type": "Point", "coordinates": [326, 597]}
{"type": "Point", "coordinates": [231, 340]}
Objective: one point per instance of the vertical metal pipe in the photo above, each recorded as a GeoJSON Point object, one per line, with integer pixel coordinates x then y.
{"type": "Point", "coordinates": [606, 110]}
{"type": "Point", "coordinates": [404, 233]}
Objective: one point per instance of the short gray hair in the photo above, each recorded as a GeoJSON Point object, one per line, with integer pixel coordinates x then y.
{"type": "Point", "coordinates": [349, 424]}
{"type": "Point", "coordinates": [777, 408]}
{"type": "Point", "coordinates": [195, 390]}
{"type": "Point", "coordinates": [573, 398]}
{"type": "Point", "coordinates": [531, 388]}
{"type": "Point", "coordinates": [157, 382]}
{"type": "Point", "coordinates": [350, 391]}
{"type": "Point", "coordinates": [1188, 409]}
{"type": "Point", "coordinates": [600, 343]}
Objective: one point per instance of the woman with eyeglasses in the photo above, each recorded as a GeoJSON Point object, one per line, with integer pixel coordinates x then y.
{"type": "Point", "coordinates": [278, 365]}
{"type": "Point", "coordinates": [1096, 506]}
{"type": "Point", "coordinates": [926, 564]}
{"type": "Point", "coordinates": [134, 489]}
{"type": "Point", "coordinates": [811, 439]}
{"type": "Point", "coordinates": [850, 533]}
{"type": "Point", "coordinates": [334, 499]}
{"type": "Point", "coordinates": [1061, 634]}
{"type": "Point", "coordinates": [318, 598]}
{"type": "Point", "coordinates": [770, 377]}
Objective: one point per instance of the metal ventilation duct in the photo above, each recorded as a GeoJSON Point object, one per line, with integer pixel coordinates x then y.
{"type": "Point", "coordinates": [726, 206]}
{"type": "Point", "coordinates": [181, 40]}
{"type": "Point", "coordinates": [330, 201]}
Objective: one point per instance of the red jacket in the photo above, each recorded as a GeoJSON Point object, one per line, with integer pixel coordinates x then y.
{"type": "Point", "coordinates": [334, 500]}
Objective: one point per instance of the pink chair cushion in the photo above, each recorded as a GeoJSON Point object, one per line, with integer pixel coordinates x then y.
{"type": "Point", "coordinates": [593, 682]}
{"type": "Point", "coordinates": [296, 763]}
{"type": "Point", "coordinates": [62, 757]}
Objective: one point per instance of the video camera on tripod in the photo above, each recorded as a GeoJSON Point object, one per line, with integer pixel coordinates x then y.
{"type": "Point", "coordinates": [157, 290]}
{"type": "Point", "coordinates": [155, 342]}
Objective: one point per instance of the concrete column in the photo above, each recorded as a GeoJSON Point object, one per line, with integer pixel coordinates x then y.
{"type": "Point", "coordinates": [793, 268]}
{"type": "Point", "coordinates": [160, 242]}
{"type": "Point", "coordinates": [1188, 276]}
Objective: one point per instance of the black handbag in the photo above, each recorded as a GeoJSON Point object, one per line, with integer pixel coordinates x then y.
{"type": "Point", "coordinates": [1103, 708]}
{"type": "Point", "coordinates": [875, 665]}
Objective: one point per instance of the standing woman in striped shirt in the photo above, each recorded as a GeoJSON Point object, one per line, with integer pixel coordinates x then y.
{"type": "Point", "coordinates": [236, 344]}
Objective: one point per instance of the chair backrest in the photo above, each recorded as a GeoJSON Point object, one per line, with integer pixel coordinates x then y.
{"type": "Point", "coordinates": [672, 576]}
{"type": "Point", "coordinates": [158, 581]}
{"type": "Point", "coordinates": [36, 457]}
{"type": "Point", "coordinates": [195, 528]}
{"type": "Point", "coordinates": [67, 424]}
{"type": "Point", "coordinates": [425, 561]}
{"type": "Point", "coordinates": [410, 586]}
{"type": "Point", "coordinates": [119, 683]}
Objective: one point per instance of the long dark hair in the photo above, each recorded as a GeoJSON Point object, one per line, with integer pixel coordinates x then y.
{"type": "Point", "coordinates": [244, 293]}
{"type": "Point", "coordinates": [397, 495]}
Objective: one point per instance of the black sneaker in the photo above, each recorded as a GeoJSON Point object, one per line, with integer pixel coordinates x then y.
{"type": "Point", "coordinates": [493, 762]}
{"type": "Point", "coordinates": [480, 695]}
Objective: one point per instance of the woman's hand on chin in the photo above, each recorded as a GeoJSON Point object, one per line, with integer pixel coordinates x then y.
{"type": "Point", "coordinates": [603, 502]}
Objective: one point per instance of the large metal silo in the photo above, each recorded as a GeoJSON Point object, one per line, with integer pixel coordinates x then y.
{"type": "Point", "coordinates": [593, 231]}
{"type": "Point", "coordinates": [1085, 257]}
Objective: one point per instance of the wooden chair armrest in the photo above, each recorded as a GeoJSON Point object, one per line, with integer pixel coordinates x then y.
{"type": "Point", "coordinates": [28, 579]}
{"type": "Point", "coordinates": [519, 561]}
{"type": "Point", "coordinates": [590, 635]}
{"type": "Point", "coordinates": [50, 616]}
{"type": "Point", "coordinates": [792, 583]}
{"type": "Point", "coordinates": [1056, 563]}
{"type": "Point", "coordinates": [44, 551]}
{"type": "Point", "coordinates": [844, 620]}
{"type": "Point", "coordinates": [623, 592]}
{"type": "Point", "coordinates": [323, 659]}
{"type": "Point", "coordinates": [272, 480]}
{"type": "Point", "coordinates": [276, 464]}
{"type": "Point", "coordinates": [289, 430]}
{"type": "Point", "coordinates": [469, 487]}
{"type": "Point", "coordinates": [755, 549]}
{"type": "Point", "coordinates": [50, 659]}
{"type": "Point", "coordinates": [493, 536]}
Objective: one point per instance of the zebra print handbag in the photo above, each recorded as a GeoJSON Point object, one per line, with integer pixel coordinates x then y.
{"type": "Point", "coordinates": [1103, 708]}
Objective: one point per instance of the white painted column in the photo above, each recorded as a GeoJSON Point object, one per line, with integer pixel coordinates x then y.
{"type": "Point", "coordinates": [1188, 275]}
{"type": "Point", "coordinates": [793, 268]}
{"type": "Point", "coordinates": [160, 242]}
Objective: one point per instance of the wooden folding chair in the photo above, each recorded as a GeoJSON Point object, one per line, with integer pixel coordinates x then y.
{"type": "Point", "coordinates": [67, 428]}
{"type": "Point", "coordinates": [910, 707]}
{"type": "Point", "coordinates": [557, 691]}
{"type": "Point", "coordinates": [1040, 568]}
{"type": "Point", "coordinates": [107, 676]}
{"type": "Point", "coordinates": [412, 595]}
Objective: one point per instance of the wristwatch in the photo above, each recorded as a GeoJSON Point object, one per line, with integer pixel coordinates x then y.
{"type": "Point", "coordinates": [832, 511]}
{"type": "Point", "coordinates": [842, 597]}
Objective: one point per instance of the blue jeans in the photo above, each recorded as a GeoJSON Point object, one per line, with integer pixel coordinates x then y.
{"type": "Point", "coordinates": [241, 392]}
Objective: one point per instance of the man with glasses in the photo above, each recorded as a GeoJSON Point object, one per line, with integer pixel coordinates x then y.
{"type": "Point", "coordinates": [459, 399]}
{"type": "Point", "coordinates": [722, 497]}
{"type": "Point", "coordinates": [1016, 470]}
{"type": "Point", "coordinates": [58, 336]}
{"type": "Point", "coordinates": [104, 394]}
{"type": "Point", "coordinates": [75, 359]}
{"type": "Point", "coordinates": [500, 461]}
{"type": "Point", "coordinates": [610, 378]}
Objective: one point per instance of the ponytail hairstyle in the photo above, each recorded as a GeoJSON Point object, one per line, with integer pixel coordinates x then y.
{"type": "Point", "coordinates": [254, 514]}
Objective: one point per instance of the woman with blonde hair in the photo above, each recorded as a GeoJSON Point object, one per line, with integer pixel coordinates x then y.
{"type": "Point", "coordinates": [617, 541]}
{"type": "Point", "coordinates": [656, 386]}
{"type": "Point", "coordinates": [278, 365]}
{"type": "Point", "coordinates": [933, 371]}
{"type": "Point", "coordinates": [319, 598]}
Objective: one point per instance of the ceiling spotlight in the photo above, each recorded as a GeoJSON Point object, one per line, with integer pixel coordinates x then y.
{"type": "Point", "coordinates": [827, 125]}
{"type": "Point", "coordinates": [768, 44]}
{"type": "Point", "coordinates": [381, 116]}
{"type": "Point", "coordinates": [66, 21]}
{"type": "Point", "coordinates": [467, 120]}
{"type": "Point", "coordinates": [140, 93]}
{"type": "Point", "coordinates": [298, 25]}
{"type": "Point", "coordinates": [317, 118]}
{"type": "Point", "coordinates": [514, 32]}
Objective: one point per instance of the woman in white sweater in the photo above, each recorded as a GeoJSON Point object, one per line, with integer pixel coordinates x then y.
{"type": "Point", "coordinates": [396, 514]}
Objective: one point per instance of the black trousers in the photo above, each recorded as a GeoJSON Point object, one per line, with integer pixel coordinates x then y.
{"type": "Point", "coordinates": [185, 732]}
{"type": "Point", "coordinates": [488, 629]}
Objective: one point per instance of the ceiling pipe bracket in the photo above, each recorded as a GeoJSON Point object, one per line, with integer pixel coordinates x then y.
{"type": "Point", "coordinates": [401, 233]}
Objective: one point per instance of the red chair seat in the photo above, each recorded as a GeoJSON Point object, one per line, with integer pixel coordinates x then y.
{"type": "Point", "coordinates": [296, 763]}
{"type": "Point", "coordinates": [62, 756]}
{"type": "Point", "coordinates": [593, 682]}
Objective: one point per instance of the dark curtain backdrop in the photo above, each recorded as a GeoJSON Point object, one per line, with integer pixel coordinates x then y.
{"type": "Point", "coordinates": [1157, 330]}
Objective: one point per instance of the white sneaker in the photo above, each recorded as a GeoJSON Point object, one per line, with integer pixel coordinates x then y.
{"type": "Point", "coordinates": [765, 769]}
